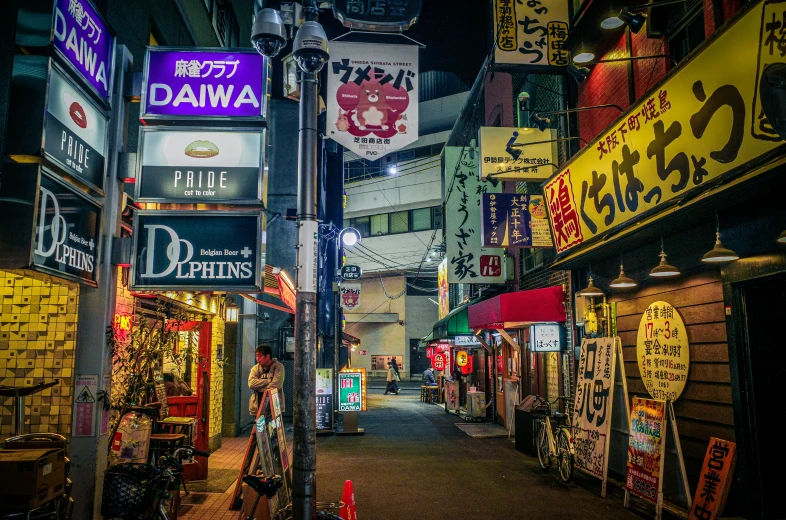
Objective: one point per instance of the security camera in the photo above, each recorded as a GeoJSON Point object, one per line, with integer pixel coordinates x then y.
{"type": "Point", "coordinates": [268, 34]}
{"type": "Point", "coordinates": [265, 316]}
{"type": "Point", "coordinates": [311, 47]}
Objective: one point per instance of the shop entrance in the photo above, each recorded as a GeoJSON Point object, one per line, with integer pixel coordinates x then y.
{"type": "Point", "coordinates": [764, 353]}
{"type": "Point", "coordinates": [189, 395]}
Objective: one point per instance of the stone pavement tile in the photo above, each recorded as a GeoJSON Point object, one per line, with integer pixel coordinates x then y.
{"type": "Point", "coordinates": [413, 462]}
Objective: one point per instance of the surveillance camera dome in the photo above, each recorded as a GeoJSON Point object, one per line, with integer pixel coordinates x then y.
{"type": "Point", "coordinates": [311, 47]}
{"type": "Point", "coordinates": [268, 34]}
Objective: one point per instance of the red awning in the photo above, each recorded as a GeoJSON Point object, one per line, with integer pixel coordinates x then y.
{"type": "Point", "coordinates": [520, 308]}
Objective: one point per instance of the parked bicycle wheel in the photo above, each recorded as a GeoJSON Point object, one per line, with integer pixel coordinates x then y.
{"type": "Point", "coordinates": [564, 456]}
{"type": "Point", "coordinates": [544, 453]}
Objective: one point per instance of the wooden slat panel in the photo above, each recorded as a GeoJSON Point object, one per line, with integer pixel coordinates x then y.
{"type": "Point", "coordinates": [703, 431]}
{"type": "Point", "coordinates": [696, 391]}
{"type": "Point", "coordinates": [667, 286]}
{"type": "Point", "coordinates": [706, 313]}
{"type": "Point", "coordinates": [699, 353]}
{"type": "Point", "coordinates": [702, 294]}
{"type": "Point", "coordinates": [720, 413]}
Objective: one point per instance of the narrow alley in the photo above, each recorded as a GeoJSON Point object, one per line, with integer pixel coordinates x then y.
{"type": "Point", "coordinates": [414, 462]}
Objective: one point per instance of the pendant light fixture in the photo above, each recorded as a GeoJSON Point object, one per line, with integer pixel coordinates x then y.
{"type": "Point", "coordinates": [622, 281]}
{"type": "Point", "coordinates": [591, 290]}
{"type": "Point", "coordinates": [782, 238]}
{"type": "Point", "coordinates": [719, 254]}
{"type": "Point", "coordinates": [663, 269]}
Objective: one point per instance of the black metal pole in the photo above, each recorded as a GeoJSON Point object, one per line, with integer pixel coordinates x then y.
{"type": "Point", "coordinates": [304, 463]}
{"type": "Point", "coordinates": [337, 332]}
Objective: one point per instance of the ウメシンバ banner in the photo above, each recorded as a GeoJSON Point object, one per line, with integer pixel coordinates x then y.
{"type": "Point", "coordinates": [372, 105]}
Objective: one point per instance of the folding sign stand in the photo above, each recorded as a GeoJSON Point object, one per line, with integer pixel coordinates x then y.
{"type": "Point", "coordinates": [349, 424]}
{"type": "Point", "coordinates": [266, 453]}
{"type": "Point", "coordinates": [617, 428]}
{"type": "Point", "coordinates": [670, 456]}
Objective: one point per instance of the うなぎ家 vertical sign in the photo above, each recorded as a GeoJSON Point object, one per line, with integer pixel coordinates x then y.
{"type": "Point", "coordinates": [468, 262]}
{"type": "Point", "coordinates": [372, 97]}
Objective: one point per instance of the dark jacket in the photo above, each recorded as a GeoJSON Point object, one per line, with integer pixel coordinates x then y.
{"type": "Point", "coordinates": [428, 377]}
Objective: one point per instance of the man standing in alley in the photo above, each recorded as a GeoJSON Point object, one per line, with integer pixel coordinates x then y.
{"type": "Point", "coordinates": [267, 374]}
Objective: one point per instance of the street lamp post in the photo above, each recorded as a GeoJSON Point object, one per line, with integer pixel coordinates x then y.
{"type": "Point", "coordinates": [346, 237]}
{"type": "Point", "coordinates": [310, 52]}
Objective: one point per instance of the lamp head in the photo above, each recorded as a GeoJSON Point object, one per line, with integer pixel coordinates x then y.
{"type": "Point", "coordinates": [578, 73]}
{"type": "Point", "coordinates": [635, 21]}
{"type": "Point", "coordinates": [349, 237]}
{"type": "Point", "coordinates": [268, 34]}
{"type": "Point", "coordinates": [539, 121]}
{"type": "Point", "coordinates": [311, 47]}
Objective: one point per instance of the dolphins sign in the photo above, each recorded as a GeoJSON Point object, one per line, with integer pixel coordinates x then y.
{"type": "Point", "coordinates": [67, 232]}
{"type": "Point", "coordinates": [205, 250]}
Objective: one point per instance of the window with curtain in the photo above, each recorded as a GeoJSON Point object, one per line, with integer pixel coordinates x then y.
{"type": "Point", "coordinates": [421, 219]}
{"type": "Point", "coordinates": [399, 222]}
{"type": "Point", "coordinates": [379, 225]}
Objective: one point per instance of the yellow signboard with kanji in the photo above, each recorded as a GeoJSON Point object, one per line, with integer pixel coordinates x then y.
{"type": "Point", "coordinates": [702, 123]}
{"type": "Point", "coordinates": [531, 32]}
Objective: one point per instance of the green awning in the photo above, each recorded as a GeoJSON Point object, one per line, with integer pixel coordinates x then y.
{"type": "Point", "coordinates": [455, 323]}
{"type": "Point", "coordinates": [425, 340]}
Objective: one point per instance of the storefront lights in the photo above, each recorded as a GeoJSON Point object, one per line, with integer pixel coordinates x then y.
{"type": "Point", "coordinates": [591, 290]}
{"type": "Point", "coordinates": [719, 254]}
{"type": "Point", "coordinates": [622, 281]}
{"type": "Point", "coordinates": [231, 310]}
{"type": "Point", "coordinates": [664, 269]}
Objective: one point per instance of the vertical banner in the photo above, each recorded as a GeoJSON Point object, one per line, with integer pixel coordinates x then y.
{"type": "Point", "coordinates": [324, 399]}
{"type": "Point", "coordinates": [350, 295]}
{"type": "Point", "coordinates": [531, 33]}
{"type": "Point", "coordinates": [468, 262]}
{"type": "Point", "coordinates": [714, 480]}
{"type": "Point", "coordinates": [514, 220]}
{"type": "Point", "coordinates": [442, 283]}
{"type": "Point", "coordinates": [372, 98]}
{"type": "Point", "coordinates": [646, 445]}
{"type": "Point", "coordinates": [352, 390]}
{"type": "Point", "coordinates": [593, 405]}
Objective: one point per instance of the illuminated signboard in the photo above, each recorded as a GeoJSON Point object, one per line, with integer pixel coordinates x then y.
{"type": "Point", "coordinates": [352, 390]}
{"type": "Point", "coordinates": [204, 83]}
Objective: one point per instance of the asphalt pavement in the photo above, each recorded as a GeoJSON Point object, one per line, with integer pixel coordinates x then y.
{"type": "Point", "coordinates": [413, 462]}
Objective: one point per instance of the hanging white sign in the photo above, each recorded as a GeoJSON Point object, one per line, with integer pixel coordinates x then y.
{"type": "Point", "coordinates": [372, 99]}
{"type": "Point", "coordinates": [350, 295]}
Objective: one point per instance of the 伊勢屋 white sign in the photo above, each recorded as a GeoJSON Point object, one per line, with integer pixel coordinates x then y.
{"type": "Point", "coordinates": [516, 154]}
{"type": "Point", "coordinates": [372, 98]}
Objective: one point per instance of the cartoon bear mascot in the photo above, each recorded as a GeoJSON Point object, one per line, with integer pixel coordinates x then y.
{"type": "Point", "coordinates": [372, 108]}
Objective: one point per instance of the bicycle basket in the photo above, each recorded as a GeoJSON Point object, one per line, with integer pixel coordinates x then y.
{"type": "Point", "coordinates": [128, 490]}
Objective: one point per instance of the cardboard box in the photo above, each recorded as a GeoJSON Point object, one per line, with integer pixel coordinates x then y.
{"type": "Point", "coordinates": [31, 477]}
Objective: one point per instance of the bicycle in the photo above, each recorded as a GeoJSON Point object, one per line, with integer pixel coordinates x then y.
{"type": "Point", "coordinates": [269, 486]}
{"type": "Point", "coordinates": [145, 491]}
{"type": "Point", "coordinates": [548, 446]}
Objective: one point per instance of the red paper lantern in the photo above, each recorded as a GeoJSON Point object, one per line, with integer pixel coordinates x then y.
{"type": "Point", "coordinates": [429, 352]}
{"type": "Point", "coordinates": [438, 361]}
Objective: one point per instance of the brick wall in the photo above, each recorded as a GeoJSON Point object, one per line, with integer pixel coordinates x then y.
{"type": "Point", "coordinates": [607, 83]}
{"type": "Point", "coordinates": [37, 344]}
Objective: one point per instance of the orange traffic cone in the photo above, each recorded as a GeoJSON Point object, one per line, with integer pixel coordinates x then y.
{"type": "Point", "coordinates": [348, 510]}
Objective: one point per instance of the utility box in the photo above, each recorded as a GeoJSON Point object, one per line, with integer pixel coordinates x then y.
{"type": "Point", "coordinates": [32, 477]}
{"type": "Point", "coordinates": [476, 404]}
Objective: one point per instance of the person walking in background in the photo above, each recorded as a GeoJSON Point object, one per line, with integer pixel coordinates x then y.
{"type": "Point", "coordinates": [394, 363]}
{"type": "Point", "coordinates": [391, 387]}
{"type": "Point", "coordinates": [267, 374]}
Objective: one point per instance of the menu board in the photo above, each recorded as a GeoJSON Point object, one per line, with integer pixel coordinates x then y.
{"type": "Point", "coordinates": [160, 387]}
{"type": "Point", "coordinates": [593, 404]}
{"type": "Point", "coordinates": [646, 444]}
{"type": "Point", "coordinates": [662, 351]}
